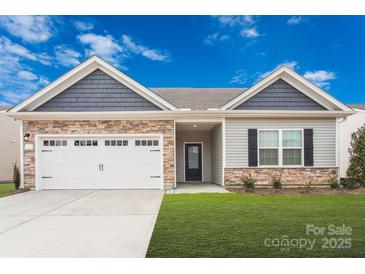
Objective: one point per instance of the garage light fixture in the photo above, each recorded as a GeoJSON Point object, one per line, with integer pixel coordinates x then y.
{"type": "Point", "coordinates": [195, 126]}
{"type": "Point", "coordinates": [26, 136]}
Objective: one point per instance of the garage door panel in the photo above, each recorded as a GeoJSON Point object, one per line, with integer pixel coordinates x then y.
{"type": "Point", "coordinates": [101, 163]}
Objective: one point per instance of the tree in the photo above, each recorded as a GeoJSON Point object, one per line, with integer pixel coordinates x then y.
{"type": "Point", "coordinates": [356, 169]}
{"type": "Point", "coordinates": [16, 176]}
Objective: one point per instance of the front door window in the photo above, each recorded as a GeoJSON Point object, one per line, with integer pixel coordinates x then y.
{"type": "Point", "coordinates": [193, 162]}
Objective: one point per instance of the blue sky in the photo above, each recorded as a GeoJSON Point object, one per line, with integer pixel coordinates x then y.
{"type": "Point", "coordinates": [185, 51]}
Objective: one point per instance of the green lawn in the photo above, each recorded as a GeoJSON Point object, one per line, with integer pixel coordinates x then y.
{"type": "Point", "coordinates": [6, 188]}
{"type": "Point", "coordinates": [236, 225]}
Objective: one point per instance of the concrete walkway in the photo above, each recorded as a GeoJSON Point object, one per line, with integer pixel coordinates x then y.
{"type": "Point", "coordinates": [78, 223]}
{"type": "Point", "coordinates": [196, 188]}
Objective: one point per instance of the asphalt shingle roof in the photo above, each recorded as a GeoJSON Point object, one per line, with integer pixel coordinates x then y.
{"type": "Point", "coordinates": [359, 106]}
{"type": "Point", "coordinates": [5, 107]}
{"type": "Point", "coordinates": [198, 98]}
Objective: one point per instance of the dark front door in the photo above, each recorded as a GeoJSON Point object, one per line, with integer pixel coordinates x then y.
{"type": "Point", "coordinates": [193, 162]}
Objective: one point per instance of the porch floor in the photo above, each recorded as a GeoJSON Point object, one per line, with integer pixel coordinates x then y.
{"type": "Point", "coordinates": [197, 187]}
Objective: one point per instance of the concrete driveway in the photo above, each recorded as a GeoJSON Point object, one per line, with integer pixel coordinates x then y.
{"type": "Point", "coordinates": [78, 223]}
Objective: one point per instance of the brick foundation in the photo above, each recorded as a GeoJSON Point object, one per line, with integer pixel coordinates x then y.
{"type": "Point", "coordinates": [290, 176]}
{"type": "Point", "coordinates": [166, 127]}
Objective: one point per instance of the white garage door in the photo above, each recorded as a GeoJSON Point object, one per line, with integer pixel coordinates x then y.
{"type": "Point", "coordinates": [89, 162]}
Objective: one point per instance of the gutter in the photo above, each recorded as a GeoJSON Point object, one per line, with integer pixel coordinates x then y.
{"type": "Point", "coordinates": [174, 114]}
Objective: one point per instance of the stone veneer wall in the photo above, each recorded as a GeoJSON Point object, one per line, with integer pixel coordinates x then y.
{"type": "Point", "coordinates": [166, 127]}
{"type": "Point", "coordinates": [290, 176]}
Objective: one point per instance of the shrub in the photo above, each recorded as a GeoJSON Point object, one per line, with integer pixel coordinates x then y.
{"type": "Point", "coordinates": [16, 176]}
{"type": "Point", "coordinates": [249, 183]}
{"type": "Point", "coordinates": [308, 185]}
{"type": "Point", "coordinates": [349, 183]}
{"type": "Point", "coordinates": [356, 169]}
{"type": "Point", "coordinates": [276, 181]}
{"type": "Point", "coordinates": [333, 182]}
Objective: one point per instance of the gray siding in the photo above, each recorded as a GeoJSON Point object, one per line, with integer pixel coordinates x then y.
{"type": "Point", "coordinates": [97, 92]}
{"type": "Point", "coordinates": [217, 155]}
{"type": "Point", "coordinates": [280, 96]}
{"type": "Point", "coordinates": [193, 136]}
{"type": "Point", "coordinates": [324, 138]}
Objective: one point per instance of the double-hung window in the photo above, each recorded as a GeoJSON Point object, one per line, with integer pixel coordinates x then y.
{"type": "Point", "coordinates": [280, 147]}
{"type": "Point", "coordinates": [269, 147]}
{"type": "Point", "coordinates": [292, 147]}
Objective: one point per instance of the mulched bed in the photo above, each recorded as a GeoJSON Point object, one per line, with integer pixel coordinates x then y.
{"type": "Point", "coordinates": [298, 191]}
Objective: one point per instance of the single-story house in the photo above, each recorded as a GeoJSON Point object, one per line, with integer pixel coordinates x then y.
{"type": "Point", "coordinates": [95, 127]}
{"type": "Point", "coordinates": [9, 145]}
{"type": "Point", "coordinates": [347, 127]}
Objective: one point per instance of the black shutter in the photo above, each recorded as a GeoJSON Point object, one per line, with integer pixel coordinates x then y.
{"type": "Point", "coordinates": [308, 147]}
{"type": "Point", "coordinates": [252, 147]}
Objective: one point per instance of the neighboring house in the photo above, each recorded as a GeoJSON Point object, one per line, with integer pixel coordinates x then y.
{"type": "Point", "coordinates": [9, 145]}
{"type": "Point", "coordinates": [346, 128]}
{"type": "Point", "coordinates": [97, 128]}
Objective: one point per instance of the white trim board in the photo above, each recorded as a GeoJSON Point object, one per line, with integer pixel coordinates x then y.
{"type": "Point", "coordinates": [297, 81]}
{"type": "Point", "coordinates": [21, 151]}
{"type": "Point", "coordinates": [174, 114]}
{"type": "Point", "coordinates": [223, 149]}
{"type": "Point", "coordinates": [175, 168]}
{"type": "Point", "coordinates": [80, 72]}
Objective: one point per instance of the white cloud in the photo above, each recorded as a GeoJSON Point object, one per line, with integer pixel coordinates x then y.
{"type": "Point", "coordinates": [66, 56]}
{"type": "Point", "coordinates": [130, 45]}
{"type": "Point", "coordinates": [104, 46]}
{"type": "Point", "coordinates": [44, 58]}
{"type": "Point", "coordinates": [245, 25]}
{"type": "Point", "coordinates": [320, 77]}
{"type": "Point", "coordinates": [155, 55]}
{"type": "Point", "coordinates": [43, 81]}
{"type": "Point", "coordinates": [13, 97]}
{"type": "Point", "coordinates": [248, 19]}
{"type": "Point", "coordinates": [215, 37]}
{"type": "Point", "coordinates": [8, 47]}
{"type": "Point", "coordinates": [250, 33]}
{"type": "Point", "coordinates": [9, 64]}
{"type": "Point", "coordinates": [32, 29]}
{"type": "Point", "coordinates": [152, 54]}
{"type": "Point", "coordinates": [17, 81]}
{"type": "Point", "coordinates": [12, 48]}
{"type": "Point", "coordinates": [233, 21]}
{"type": "Point", "coordinates": [294, 20]}
{"type": "Point", "coordinates": [16, 87]}
{"type": "Point", "coordinates": [240, 77]}
{"type": "Point", "coordinates": [292, 64]}
{"type": "Point", "coordinates": [27, 75]}
{"type": "Point", "coordinates": [4, 103]}
{"type": "Point", "coordinates": [83, 26]}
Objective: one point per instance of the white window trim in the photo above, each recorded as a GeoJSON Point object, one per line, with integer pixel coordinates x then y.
{"type": "Point", "coordinates": [280, 148]}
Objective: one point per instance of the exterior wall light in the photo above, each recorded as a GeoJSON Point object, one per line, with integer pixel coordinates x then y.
{"type": "Point", "coordinates": [26, 136]}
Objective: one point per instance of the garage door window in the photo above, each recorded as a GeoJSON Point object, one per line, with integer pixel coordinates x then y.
{"type": "Point", "coordinates": [114, 143]}
{"type": "Point", "coordinates": [52, 143]}
{"type": "Point", "coordinates": [89, 143]}
{"type": "Point", "coordinates": [146, 143]}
